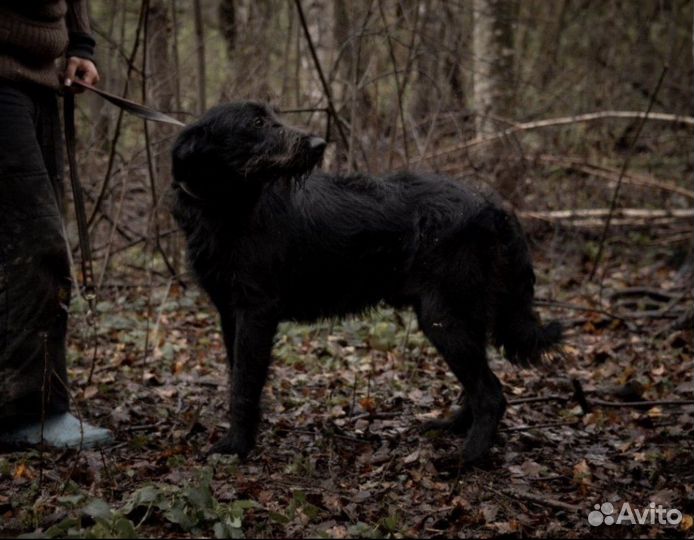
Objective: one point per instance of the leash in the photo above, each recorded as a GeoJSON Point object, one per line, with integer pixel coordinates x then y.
{"type": "Point", "coordinates": [89, 290]}
{"type": "Point", "coordinates": [78, 194]}
{"type": "Point", "coordinates": [70, 142]}
{"type": "Point", "coordinates": [130, 106]}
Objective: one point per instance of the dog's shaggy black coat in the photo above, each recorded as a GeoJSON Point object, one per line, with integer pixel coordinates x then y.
{"type": "Point", "coordinates": [269, 241]}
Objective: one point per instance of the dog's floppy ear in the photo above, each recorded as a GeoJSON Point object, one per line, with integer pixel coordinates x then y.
{"type": "Point", "coordinates": [193, 162]}
{"type": "Point", "coordinates": [189, 153]}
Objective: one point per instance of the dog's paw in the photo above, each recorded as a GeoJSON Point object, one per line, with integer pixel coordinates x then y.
{"type": "Point", "coordinates": [458, 423]}
{"type": "Point", "coordinates": [478, 442]}
{"type": "Point", "coordinates": [474, 450]}
{"type": "Point", "coordinates": [229, 444]}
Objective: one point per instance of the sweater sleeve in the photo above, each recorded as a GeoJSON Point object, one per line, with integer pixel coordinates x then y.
{"type": "Point", "coordinates": [77, 19]}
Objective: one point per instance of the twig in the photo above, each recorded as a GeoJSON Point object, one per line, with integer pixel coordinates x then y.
{"type": "Point", "coordinates": [78, 413]}
{"type": "Point", "coordinates": [354, 397]}
{"type": "Point", "coordinates": [143, 427]}
{"type": "Point", "coordinates": [136, 242]}
{"type": "Point", "coordinates": [655, 294]}
{"type": "Point", "coordinates": [575, 307]}
{"type": "Point", "coordinates": [603, 403]}
{"type": "Point", "coordinates": [537, 399]}
{"type": "Point", "coordinates": [622, 172]}
{"type": "Point", "coordinates": [406, 336]}
{"type": "Point", "coordinates": [397, 88]}
{"type": "Point", "coordinates": [44, 392]}
{"type": "Point", "coordinates": [684, 321]}
{"type": "Point", "coordinates": [638, 213]}
{"type": "Point", "coordinates": [653, 314]}
{"type": "Point", "coordinates": [111, 479]}
{"type": "Point", "coordinates": [608, 173]}
{"type": "Point", "coordinates": [560, 121]}
{"type": "Point", "coordinates": [595, 218]}
{"type": "Point", "coordinates": [376, 416]}
{"type": "Point", "coordinates": [160, 311]}
{"type": "Point", "coordinates": [116, 135]}
{"type": "Point", "coordinates": [105, 36]}
{"type": "Point", "coordinates": [305, 110]}
{"type": "Point", "coordinates": [321, 75]}
{"type": "Point", "coordinates": [154, 216]}
{"type": "Point", "coordinates": [598, 223]}
{"type": "Point", "coordinates": [541, 500]}
{"type": "Point", "coordinates": [109, 244]}
{"type": "Point", "coordinates": [664, 403]}
{"type": "Point", "coordinates": [540, 426]}
{"type": "Point", "coordinates": [662, 313]}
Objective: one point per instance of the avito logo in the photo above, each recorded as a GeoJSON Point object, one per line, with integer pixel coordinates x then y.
{"type": "Point", "coordinates": [652, 515]}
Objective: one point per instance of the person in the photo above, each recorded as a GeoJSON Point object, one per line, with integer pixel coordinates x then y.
{"type": "Point", "coordinates": [36, 36]}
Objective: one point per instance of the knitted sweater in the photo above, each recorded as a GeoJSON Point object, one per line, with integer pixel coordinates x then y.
{"type": "Point", "coordinates": [34, 34]}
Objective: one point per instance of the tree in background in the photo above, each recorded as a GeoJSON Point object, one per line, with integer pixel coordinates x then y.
{"type": "Point", "coordinates": [493, 83]}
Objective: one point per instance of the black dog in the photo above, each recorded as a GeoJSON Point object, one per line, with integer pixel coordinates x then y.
{"type": "Point", "coordinates": [269, 242]}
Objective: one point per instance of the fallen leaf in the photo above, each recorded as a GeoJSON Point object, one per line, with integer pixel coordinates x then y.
{"type": "Point", "coordinates": [411, 458]}
{"type": "Point", "coordinates": [582, 474]}
{"type": "Point", "coordinates": [91, 391]}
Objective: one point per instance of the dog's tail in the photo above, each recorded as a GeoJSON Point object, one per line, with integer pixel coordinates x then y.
{"type": "Point", "coordinates": [516, 325]}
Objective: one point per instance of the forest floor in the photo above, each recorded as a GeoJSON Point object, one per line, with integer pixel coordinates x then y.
{"type": "Point", "coordinates": [339, 453]}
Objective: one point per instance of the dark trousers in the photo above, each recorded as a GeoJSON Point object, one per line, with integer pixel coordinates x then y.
{"type": "Point", "coordinates": [35, 280]}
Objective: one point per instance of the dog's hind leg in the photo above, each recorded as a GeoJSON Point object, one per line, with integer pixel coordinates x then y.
{"type": "Point", "coordinates": [460, 338]}
{"type": "Point", "coordinates": [251, 360]}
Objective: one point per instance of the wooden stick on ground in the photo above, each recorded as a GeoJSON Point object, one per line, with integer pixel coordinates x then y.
{"type": "Point", "coordinates": [637, 213]}
{"type": "Point", "coordinates": [542, 500]}
{"type": "Point", "coordinates": [539, 426]}
{"type": "Point", "coordinates": [601, 402]}
{"type": "Point", "coordinates": [663, 403]}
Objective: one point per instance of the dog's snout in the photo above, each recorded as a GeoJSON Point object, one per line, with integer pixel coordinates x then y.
{"type": "Point", "coordinates": [317, 144]}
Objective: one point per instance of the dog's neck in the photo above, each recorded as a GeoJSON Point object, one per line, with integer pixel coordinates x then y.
{"type": "Point", "coordinates": [242, 195]}
{"type": "Point", "coordinates": [236, 208]}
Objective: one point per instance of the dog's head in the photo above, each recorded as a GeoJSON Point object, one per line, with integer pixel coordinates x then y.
{"type": "Point", "coordinates": [238, 146]}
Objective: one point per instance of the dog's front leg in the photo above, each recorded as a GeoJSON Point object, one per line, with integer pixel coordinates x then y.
{"type": "Point", "coordinates": [251, 360]}
{"type": "Point", "coordinates": [228, 320]}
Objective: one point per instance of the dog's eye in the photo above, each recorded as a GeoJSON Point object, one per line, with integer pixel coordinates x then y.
{"type": "Point", "coordinates": [259, 122]}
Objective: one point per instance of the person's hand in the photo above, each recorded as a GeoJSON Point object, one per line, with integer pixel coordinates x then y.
{"type": "Point", "coordinates": [80, 68]}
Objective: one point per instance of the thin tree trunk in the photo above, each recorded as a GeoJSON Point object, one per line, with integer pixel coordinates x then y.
{"type": "Point", "coordinates": [344, 49]}
{"type": "Point", "coordinates": [202, 72]}
{"type": "Point", "coordinates": [454, 16]}
{"type": "Point", "coordinates": [493, 70]}
{"type": "Point", "coordinates": [427, 89]}
{"type": "Point", "coordinates": [350, 22]}
{"type": "Point", "coordinates": [226, 10]}
{"type": "Point", "coordinates": [250, 30]}
{"type": "Point", "coordinates": [688, 269]}
{"type": "Point", "coordinates": [176, 57]}
{"type": "Point", "coordinates": [161, 93]}
{"type": "Point", "coordinates": [493, 81]}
